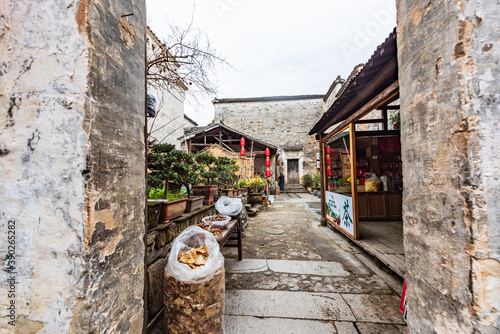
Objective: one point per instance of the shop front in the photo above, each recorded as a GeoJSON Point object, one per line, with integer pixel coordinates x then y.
{"type": "Point", "coordinates": [361, 165]}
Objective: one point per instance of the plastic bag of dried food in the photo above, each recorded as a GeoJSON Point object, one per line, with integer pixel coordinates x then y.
{"type": "Point", "coordinates": [194, 237]}
{"type": "Point", "coordinates": [194, 298]}
{"type": "Point", "coordinates": [229, 206]}
{"type": "Point", "coordinates": [372, 183]}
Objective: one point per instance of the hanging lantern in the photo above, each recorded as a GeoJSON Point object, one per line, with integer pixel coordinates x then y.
{"type": "Point", "coordinates": [242, 143]}
{"type": "Point", "coordinates": [328, 162]}
{"type": "Point", "coordinates": [268, 163]}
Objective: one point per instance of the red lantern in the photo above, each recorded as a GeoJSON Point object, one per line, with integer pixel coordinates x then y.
{"type": "Point", "coordinates": [242, 152]}
{"type": "Point", "coordinates": [328, 150]}
{"type": "Point", "coordinates": [242, 141]}
{"type": "Point", "coordinates": [268, 163]}
{"type": "Point", "coordinates": [328, 161]}
{"type": "Point", "coordinates": [329, 171]}
{"type": "Point", "coordinates": [268, 152]}
{"type": "Point", "coordinates": [268, 173]}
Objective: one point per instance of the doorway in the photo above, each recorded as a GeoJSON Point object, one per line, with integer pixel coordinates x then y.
{"type": "Point", "coordinates": [293, 171]}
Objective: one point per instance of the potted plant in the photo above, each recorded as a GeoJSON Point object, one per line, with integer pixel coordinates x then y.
{"type": "Point", "coordinates": [207, 187]}
{"type": "Point", "coordinates": [160, 165]}
{"type": "Point", "coordinates": [395, 119]}
{"type": "Point", "coordinates": [316, 182]}
{"type": "Point", "coordinates": [187, 171]}
{"type": "Point", "coordinates": [256, 187]}
{"type": "Point", "coordinates": [242, 184]}
{"type": "Point", "coordinates": [307, 181]}
{"type": "Point", "coordinates": [226, 169]}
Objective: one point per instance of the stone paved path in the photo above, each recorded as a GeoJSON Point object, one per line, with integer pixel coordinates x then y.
{"type": "Point", "coordinates": [306, 279]}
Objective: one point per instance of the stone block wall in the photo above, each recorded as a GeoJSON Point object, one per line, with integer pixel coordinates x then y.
{"type": "Point", "coordinates": [283, 123]}
{"type": "Point", "coordinates": [72, 155]}
{"type": "Point", "coordinates": [448, 55]}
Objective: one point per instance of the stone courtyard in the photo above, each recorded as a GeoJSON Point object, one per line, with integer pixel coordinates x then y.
{"type": "Point", "coordinates": [299, 277]}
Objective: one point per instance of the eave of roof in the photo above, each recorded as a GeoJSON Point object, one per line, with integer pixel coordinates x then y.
{"type": "Point", "coordinates": [268, 98]}
{"type": "Point", "coordinates": [335, 82]}
{"type": "Point", "coordinates": [190, 119]}
{"type": "Point", "coordinates": [385, 53]}
{"type": "Point", "coordinates": [211, 127]}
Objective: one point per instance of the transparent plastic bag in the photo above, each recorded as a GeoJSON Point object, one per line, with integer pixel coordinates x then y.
{"type": "Point", "coordinates": [194, 237]}
{"type": "Point", "coordinates": [194, 298]}
{"type": "Point", "coordinates": [229, 206]}
{"type": "Point", "coordinates": [372, 183]}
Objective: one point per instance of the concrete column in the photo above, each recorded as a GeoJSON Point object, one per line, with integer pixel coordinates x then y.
{"type": "Point", "coordinates": [72, 161]}
{"type": "Point", "coordinates": [448, 54]}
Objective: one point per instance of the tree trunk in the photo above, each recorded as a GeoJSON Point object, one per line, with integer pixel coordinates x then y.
{"type": "Point", "coordinates": [166, 189]}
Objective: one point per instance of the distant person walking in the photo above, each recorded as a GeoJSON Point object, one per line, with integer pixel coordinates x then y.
{"type": "Point", "coordinates": [281, 182]}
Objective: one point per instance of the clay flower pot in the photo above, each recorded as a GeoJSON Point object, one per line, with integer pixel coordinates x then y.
{"type": "Point", "coordinates": [208, 191]}
{"type": "Point", "coordinates": [255, 198]}
{"type": "Point", "coordinates": [195, 203]}
{"type": "Point", "coordinates": [171, 210]}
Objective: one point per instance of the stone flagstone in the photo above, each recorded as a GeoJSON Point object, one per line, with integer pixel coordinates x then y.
{"type": "Point", "coordinates": [283, 304]}
{"type": "Point", "coordinates": [319, 268]}
{"type": "Point", "coordinates": [245, 266]}
{"type": "Point", "coordinates": [254, 325]}
{"type": "Point", "coordinates": [375, 308]}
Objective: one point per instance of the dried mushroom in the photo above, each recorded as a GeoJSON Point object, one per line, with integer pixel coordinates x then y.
{"type": "Point", "coordinates": [195, 308]}
{"type": "Point", "coordinates": [217, 232]}
{"type": "Point", "coordinates": [195, 257]}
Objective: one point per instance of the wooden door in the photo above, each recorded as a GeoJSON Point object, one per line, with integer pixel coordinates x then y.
{"type": "Point", "coordinates": [293, 171]}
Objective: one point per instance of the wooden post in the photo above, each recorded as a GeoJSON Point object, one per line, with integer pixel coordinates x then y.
{"type": "Point", "coordinates": [324, 183]}
{"type": "Point", "coordinates": [267, 192]}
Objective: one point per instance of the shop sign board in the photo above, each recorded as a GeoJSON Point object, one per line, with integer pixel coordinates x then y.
{"type": "Point", "coordinates": [339, 211]}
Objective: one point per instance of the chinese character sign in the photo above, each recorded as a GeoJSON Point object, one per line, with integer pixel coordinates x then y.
{"type": "Point", "coordinates": [339, 211]}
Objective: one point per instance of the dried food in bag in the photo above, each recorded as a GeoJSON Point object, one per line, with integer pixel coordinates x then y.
{"type": "Point", "coordinates": [194, 284]}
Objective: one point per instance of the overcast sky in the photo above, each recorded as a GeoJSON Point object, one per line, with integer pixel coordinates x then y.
{"type": "Point", "coordinates": [280, 47]}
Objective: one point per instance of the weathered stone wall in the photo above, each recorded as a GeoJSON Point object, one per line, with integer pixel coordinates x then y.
{"type": "Point", "coordinates": [448, 54]}
{"type": "Point", "coordinates": [72, 104]}
{"type": "Point", "coordinates": [283, 123]}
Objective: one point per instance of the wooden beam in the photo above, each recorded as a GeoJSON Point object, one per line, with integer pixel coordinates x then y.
{"type": "Point", "coordinates": [389, 108]}
{"type": "Point", "coordinates": [390, 68]}
{"type": "Point", "coordinates": [384, 116]}
{"type": "Point", "coordinates": [383, 97]}
{"type": "Point", "coordinates": [370, 121]}
{"type": "Point", "coordinates": [377, 133]}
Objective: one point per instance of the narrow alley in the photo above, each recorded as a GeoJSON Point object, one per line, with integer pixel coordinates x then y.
{"type": "Point", "coordinates": [297, 276]}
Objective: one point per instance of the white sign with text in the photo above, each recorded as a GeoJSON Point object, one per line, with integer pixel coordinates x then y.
{"type": "Point", "coordinates": [339, 211]}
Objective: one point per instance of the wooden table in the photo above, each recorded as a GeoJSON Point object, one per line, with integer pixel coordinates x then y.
{"type": "Point", "coordinates": [234, 225]}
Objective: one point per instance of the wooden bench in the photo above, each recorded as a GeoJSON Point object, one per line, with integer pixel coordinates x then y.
{"type": "Point", "coordinates": [234, 225]}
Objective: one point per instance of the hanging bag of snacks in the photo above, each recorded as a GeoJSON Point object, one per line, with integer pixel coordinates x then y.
{"type": "Point", "coordinates": [194, 284]}
{"type": "Point", "coordinates": [372, 183]}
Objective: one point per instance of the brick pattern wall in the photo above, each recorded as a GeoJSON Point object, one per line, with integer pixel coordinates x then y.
{"type": "Point", "coordinates": [281, 123]}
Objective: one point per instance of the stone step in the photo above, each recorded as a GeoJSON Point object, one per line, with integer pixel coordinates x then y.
{"type": "Point", "coordinates": [295, 190]}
